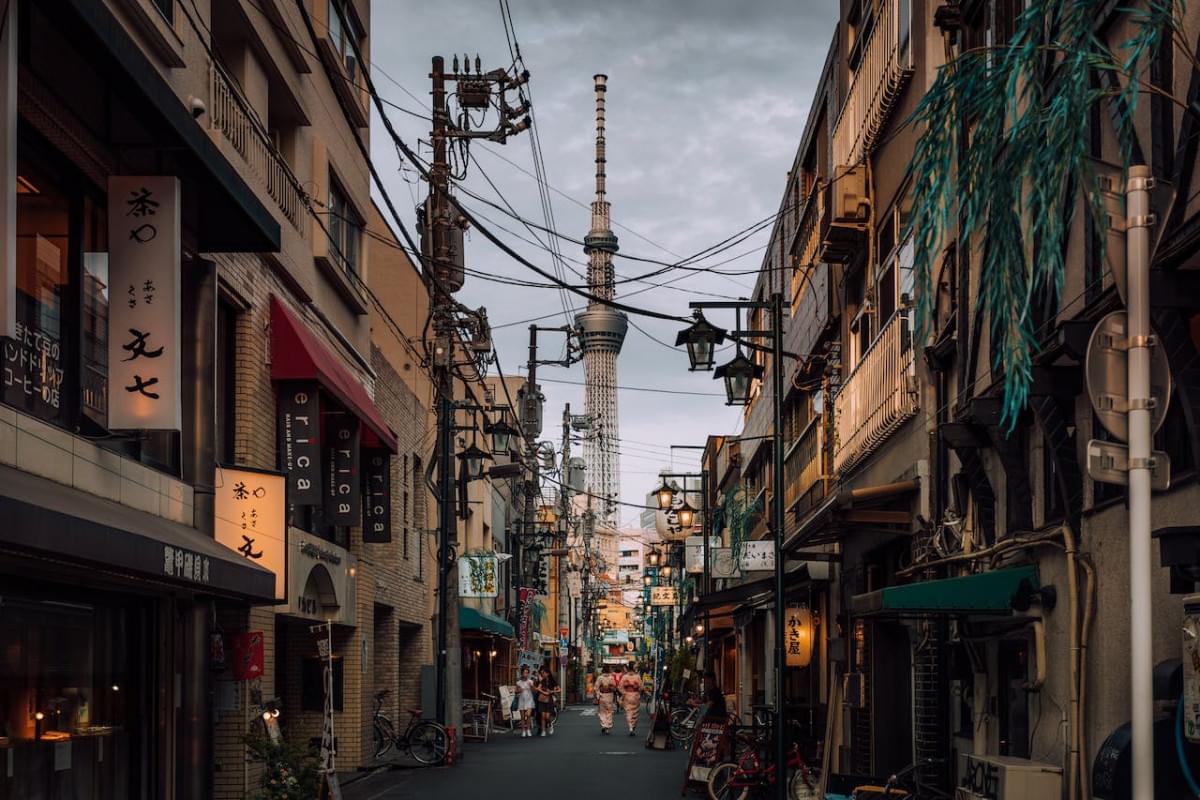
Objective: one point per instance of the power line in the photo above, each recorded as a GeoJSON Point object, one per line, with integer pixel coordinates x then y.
{"type": "Point", "coordinates": [636, 388]}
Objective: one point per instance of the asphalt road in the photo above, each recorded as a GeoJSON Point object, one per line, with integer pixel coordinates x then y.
{"type": "Point", "coordinates": [576, 763]}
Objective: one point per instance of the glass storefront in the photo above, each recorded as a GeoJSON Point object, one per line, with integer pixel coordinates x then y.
{"type": "Point", "coordinates": [71, 698]}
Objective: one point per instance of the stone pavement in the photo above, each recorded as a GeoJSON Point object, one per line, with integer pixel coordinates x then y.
{"type": "Point", "coordinates": [576, 763]}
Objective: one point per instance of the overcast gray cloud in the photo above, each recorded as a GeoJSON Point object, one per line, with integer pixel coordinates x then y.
{"type": "Point", "coordinates": [706, 104]}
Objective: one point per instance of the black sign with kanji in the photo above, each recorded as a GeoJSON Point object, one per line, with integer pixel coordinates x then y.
{"type": "Point", "coordinates": [377, 497]}
{"type": "Point", "coordinates": [343, 494]}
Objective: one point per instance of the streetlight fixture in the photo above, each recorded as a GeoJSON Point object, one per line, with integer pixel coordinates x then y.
{"type": "Point", "coordinates": [700, 338]}
{"type": "Point", "coordinates": [647, 580]}
{"type": "Point", "coordinates": [502, 434]}
{"type": "Point", "coordinates": [474, 457]}
{"type": "Point", "coordinates": [685, 514]}
{"type": "Point", "coordinates": [665, 571]}
{"type": "Point", "coordinates": [652, 557]}
{"type": "Point", "coordinates": [666, 495]}
{"type": "Point", "coordinates": [739, 375]}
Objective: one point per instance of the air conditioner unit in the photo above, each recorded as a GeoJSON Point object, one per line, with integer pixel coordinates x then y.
{"type": "Point", "coordinates": [1006, 778]}
{"type": "Point", "coordinates": [851, 203]}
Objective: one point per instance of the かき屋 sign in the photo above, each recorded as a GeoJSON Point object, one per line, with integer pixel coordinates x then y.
{"type": "Point", "coordinates": [798, 636]}
{"type": "Point", "coordinates": [251, 518]}
{"type": "Point", "coordinates": [144, 353]}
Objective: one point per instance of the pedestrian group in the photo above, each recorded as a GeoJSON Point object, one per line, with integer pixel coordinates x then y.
{"type": "Point", "coordinates": [535, 699]}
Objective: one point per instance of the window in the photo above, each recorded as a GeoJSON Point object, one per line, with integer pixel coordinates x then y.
{"type": "Point", "coordinates": [226, 381]}
{"type": "Point", "coordinates": [166, 8]}
{"type": "Point", "coordinates": [345, 227]}
{"type": "Point", "coordinates": [345, 35]}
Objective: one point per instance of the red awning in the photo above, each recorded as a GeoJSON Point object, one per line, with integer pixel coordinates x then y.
{"type": "Point", "coordinates": [297, 355]}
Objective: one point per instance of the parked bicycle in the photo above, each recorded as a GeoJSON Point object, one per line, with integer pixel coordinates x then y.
{"type": "Point", "coordinates": [754, 771]}
{"type": "Point", "coordinates": [425, 741]}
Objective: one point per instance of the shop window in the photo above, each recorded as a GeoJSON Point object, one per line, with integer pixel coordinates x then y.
{"type": "Point", "coordinates": [69, 695]}
{"type": "Point", "coordinates": [312, 684]}
{"type": "Point", "coordinates": [345, 228]}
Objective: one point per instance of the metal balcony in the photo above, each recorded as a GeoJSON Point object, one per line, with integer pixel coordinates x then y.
{"type": "Point", "coordinates": [885, 68]}
{"type": "Point", "coordinates": [247, 135]}
{"type": "Point", "coordinates": [875, 399]}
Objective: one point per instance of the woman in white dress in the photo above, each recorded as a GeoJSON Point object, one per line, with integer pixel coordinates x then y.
{"type": "Point", "coordinates": [525, 701]}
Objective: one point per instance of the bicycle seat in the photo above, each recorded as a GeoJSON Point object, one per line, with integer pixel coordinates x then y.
{"type": "Point", "coordinates": [382, 693]}
{"type": "Point", "coordinates": [416, 712]}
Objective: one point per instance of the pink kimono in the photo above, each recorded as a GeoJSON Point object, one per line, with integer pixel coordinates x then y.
{"type": "Point", "coordinates": [606, 694]}
{"type": "Point", "coordinates": [630, 687]}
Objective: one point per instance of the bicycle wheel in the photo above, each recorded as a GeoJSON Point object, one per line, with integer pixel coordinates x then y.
{"type": "Point", "coordinates": [683, 724]}
{"type": "Point", "coordinates": [385, 735]}
{"type": "Point", "coordinates": [428, 742]}
{"type": "Point", "coordinates": [720, 783]}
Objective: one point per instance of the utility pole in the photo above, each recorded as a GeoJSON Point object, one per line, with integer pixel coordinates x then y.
{"type": "Point", "coordinates": [474, 90]}
{"type": "Point", "coordinates": [564, 503]}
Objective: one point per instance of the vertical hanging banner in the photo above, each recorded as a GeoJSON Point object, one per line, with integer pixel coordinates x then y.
{"type": "Point", "coordinates": [343, 496]}
{"type": "Point", "coordinates": [250, 510]}
{"type": "Point", "coordinates": [377, 498]}
{"type": "Point", "coordinates": [300, 441]}
{"type": "Point", "coordinates": [143, 303]}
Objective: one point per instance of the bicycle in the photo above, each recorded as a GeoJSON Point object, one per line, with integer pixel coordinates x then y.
{"type": "Point", "coordinates": [425, 741]}
{"type": "Point", "coordinates": [735, 780]}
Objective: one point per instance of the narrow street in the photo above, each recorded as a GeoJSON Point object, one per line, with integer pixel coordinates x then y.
{"type": "Point", "coordinates": [576, 763]}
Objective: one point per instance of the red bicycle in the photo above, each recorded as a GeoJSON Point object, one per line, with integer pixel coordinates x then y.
{"type": "Point", "coordinates": [753, 772]}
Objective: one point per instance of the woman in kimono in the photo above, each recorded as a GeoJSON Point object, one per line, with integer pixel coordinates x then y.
{"type": "Point", "coordinates": [606, 695]}
{"type": "Point", "coordinates": [525, 701]}
{"type": "Point", "coordinates": [630, 687]}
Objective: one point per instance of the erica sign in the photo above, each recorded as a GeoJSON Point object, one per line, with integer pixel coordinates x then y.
{"type": "Point", "coordinates": [377, 490]}
{"type": "Point", "coordinates": [251, 513]}
{"type": "Point", "coordinates": [143, 303]}
{"type": "Point", "coordinates": [300, 441]}
{"type": "Point", "coordinates": [343, 498]}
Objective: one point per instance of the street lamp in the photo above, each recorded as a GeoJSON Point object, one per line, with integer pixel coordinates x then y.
{"type": "Point", "coordinates": [700, 338]}
{"type": "Point", "coordinates": [501, 433]}
{"type": "Point", "coordinates": [666, 495]}
{"type": "Point", "coordinates": [665, 571]}
{"type": "Point", "coordinates": [474, 457]}
{"type": "Point", "coordinates": [652, 558]}
{"type": "Point", "coordinates": [648, 581]}
{"type": "Point", "coordinates": [686, 515]}
{"type": "Point", "coordinates": [739, 375]}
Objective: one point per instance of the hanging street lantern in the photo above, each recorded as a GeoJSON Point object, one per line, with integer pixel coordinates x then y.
{"type": "Point", "coordinates": [647, 580]}
{"type": "Point", "coordinates": [701, 337]}
{"type": "Point", "coordinates": [665, 495]}
{"type": "Point", "coordinates": [501, 433]}
{"type": "Point", "coordinates": [686, 515]}
{"type": "Point", "coordinates": [739, 375]}
{"type": "Point", "coordinates": [652, 558]}
{"type": "Point", "coordinates": [474, 457]}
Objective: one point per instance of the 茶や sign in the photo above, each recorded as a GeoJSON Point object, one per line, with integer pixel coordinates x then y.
{"type": "Point", "coordinates": [343, 497]}
{"type": "Point", "coordinates": [144, 353]}
{"type": "Point", "coordinates": [251, 518]}
{"type": "Point", "coordinates": [477, 575]}
{"type": "Point", "coordinates": [300, 440]}
{"type": "Point", "coordinates": [377, 497]}
{"type": "Point", "coordinates": [664, 596]}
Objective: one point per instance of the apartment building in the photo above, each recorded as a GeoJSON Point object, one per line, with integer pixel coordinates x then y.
{"type": "Point", "coordinates": [902, 484]}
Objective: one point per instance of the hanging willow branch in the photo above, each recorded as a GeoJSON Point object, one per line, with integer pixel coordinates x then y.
{"type": "Point", "coordinates": [1015, 182]}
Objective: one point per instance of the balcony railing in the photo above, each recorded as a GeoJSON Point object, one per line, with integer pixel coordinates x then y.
{"type": "Point", "coordinates": [875, 399]}
{"type": "Point", "coordinates": [228, 115]}
{"type": "Point", "coordinates": [885, 67]}
{"type": "Point", "coordinates": [804, 465]}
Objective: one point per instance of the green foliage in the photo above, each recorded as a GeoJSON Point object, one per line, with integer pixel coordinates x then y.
{"type": "Point", "coordinates": [291, 771]}
{"type": "Point", "coordinates": [1016, 179]}
{"type": "Point", "coordinates": [683, 659]}
{"type": "Point", "coordinates": [736, 509]}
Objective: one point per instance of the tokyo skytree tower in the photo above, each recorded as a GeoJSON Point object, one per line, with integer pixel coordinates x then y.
{"type": "Point", "coordinates": [601, 331]}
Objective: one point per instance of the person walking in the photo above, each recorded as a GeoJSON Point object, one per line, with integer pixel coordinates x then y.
{"type": "Point", "coordinates": [546, 689]}
{"type": "Point", "coordinates": [525, 702]}
{"type": "Point", "coordinates": [606, 695]}
{"type": "Point", "coordinates": [630, 687]}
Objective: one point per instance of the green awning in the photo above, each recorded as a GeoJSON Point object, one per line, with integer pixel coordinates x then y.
{"type": "Point", "coordinates": [472, 619]}
{"type": "Point", "coordinates": [988, 593]}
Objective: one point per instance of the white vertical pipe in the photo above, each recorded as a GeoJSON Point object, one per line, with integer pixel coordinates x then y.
{"type": "Point", "coordinates": [1141, 619]}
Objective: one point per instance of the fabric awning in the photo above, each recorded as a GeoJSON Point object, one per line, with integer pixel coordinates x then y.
{"type": "Point", "coordinates": [48, 520]}
{"type": "Point", "coordinates": [472, 619]}
{"type": "Point", "coordinates": [989, 593]}
{"type": "Point", "coordinates": [297, 355]}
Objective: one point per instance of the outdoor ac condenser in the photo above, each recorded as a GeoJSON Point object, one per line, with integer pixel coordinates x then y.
{"type": "Point", "coordinates": [1005, 778]}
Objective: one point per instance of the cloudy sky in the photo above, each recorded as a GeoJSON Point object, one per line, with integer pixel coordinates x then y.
{"type": "Point", "coordinates": [706, 104]}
